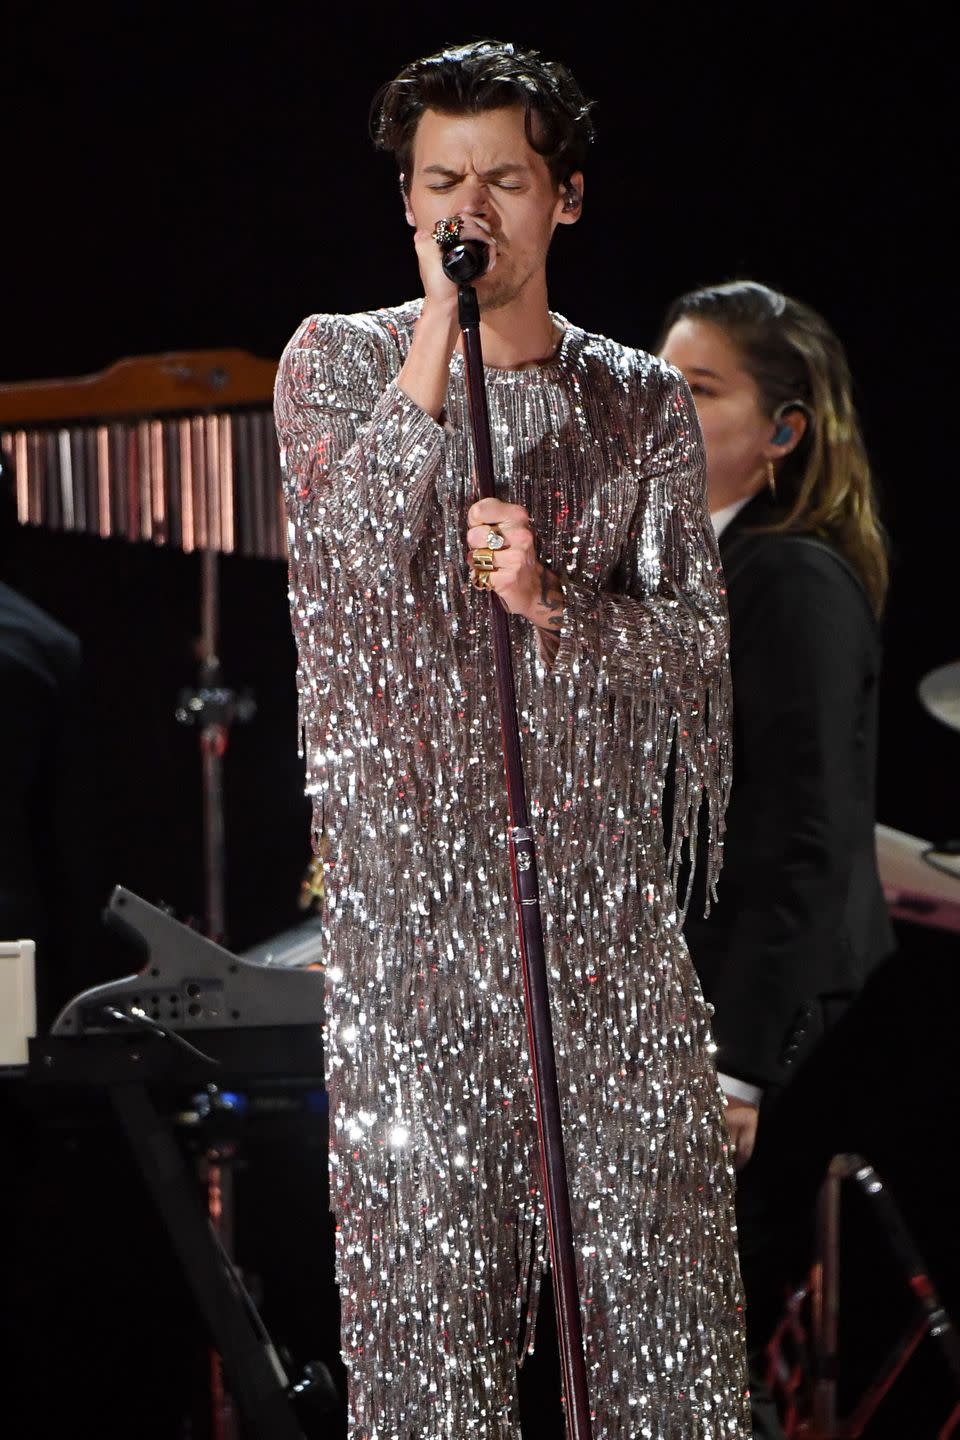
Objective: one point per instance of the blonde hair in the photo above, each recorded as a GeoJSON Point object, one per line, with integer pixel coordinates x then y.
{"type": "Point", "coordinates": [798, 363]}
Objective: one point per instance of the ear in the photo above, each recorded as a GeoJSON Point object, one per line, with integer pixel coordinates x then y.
{"type": "Point", "coordinates": [790, 426]}
{"type": "Point", "coordinates": [405, 197]}
{"type": "Point", "coordinates": [571, 200]}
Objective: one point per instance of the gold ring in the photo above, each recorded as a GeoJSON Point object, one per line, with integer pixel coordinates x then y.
{"type": "Point", "coordinates": [481, 579]}
{"type": "Point", "coordinates": [483, 559]}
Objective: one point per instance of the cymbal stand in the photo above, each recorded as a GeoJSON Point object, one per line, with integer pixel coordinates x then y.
{"type": "Point", "coordinates": [212, 707]}
{"type": "Point", "coordinates": [804, 1359]}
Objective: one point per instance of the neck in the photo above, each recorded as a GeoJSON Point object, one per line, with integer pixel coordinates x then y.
{"type": "Point", "coordinates": [720, 496]}
{"type": "Point", "coordinates": [520, 332]}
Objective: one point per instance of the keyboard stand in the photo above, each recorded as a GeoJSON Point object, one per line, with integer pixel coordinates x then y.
{"type": "Point", "coordinates": [254, 1374]}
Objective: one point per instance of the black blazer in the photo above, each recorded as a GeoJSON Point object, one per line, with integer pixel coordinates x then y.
{"type": "Point", "coordinates": [801, 918]}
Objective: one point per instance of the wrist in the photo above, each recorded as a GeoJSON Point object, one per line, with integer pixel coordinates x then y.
{"type": "Point", "coordinates": [549, 604]}
{"type": "Point", "coordinates": [438, 323]}
{"type": "Point", "coordinates": [425, 372]}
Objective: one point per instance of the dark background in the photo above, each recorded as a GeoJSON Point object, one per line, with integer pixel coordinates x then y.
{"type": "Point", "coordinates": [178, 177]}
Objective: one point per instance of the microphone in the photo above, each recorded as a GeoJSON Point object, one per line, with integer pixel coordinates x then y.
{"type": "Point", "coordinates": [465, 261]}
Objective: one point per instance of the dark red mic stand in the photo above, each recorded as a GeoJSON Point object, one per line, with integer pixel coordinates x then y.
{"type": "Point", "coordinates": [526, 890]}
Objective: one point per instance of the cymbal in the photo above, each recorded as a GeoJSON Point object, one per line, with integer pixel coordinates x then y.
{"type": "Point", "coordinates": [939, 693]}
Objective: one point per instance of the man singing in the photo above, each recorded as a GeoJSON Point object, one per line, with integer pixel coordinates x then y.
{"type": "Point", "coordinates": [601, 548]}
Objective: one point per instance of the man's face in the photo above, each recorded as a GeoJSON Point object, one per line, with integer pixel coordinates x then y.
{"type": "Point", "coordinates": [483, 165]}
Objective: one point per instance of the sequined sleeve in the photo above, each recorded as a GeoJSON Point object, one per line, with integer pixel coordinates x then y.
{"type": "Point", "coordinates": [662, 630]}
{"type": "Point", "coordinates": [358, 455]}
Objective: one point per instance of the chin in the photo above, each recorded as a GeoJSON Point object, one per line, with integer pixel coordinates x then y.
{"type": "Point", "coordinates": [496, 291]}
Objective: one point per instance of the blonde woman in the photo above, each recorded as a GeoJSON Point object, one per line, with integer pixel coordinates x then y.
{"type": "Point", "coordinates": [801, 918]}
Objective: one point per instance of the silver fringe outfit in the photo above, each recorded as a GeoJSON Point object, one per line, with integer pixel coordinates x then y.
{"type": "Point", "coordinates": [440, 1238]}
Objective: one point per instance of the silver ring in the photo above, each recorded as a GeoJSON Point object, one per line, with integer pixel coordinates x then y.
{"type": "Point", "coordinates": [495, 540]}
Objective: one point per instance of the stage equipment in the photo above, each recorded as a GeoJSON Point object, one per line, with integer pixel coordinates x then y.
{"type": "Point", "coordinates": [811, 1409]}
{"type": "Point", "coordinates": [176, 449]}
{"type": "Point", "coordinates": [523, 862]}
{"type": "Point", "coordinates": [197, 1020]}
{"type": "Point", "coordinates": [921, 881]}
{"type": "Point", "coordinates": [18, 1000]}
{"type": "Point", "coordinates": [939, 692]}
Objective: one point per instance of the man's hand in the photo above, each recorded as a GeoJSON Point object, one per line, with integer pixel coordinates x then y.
{"type": "Point", "coordinates": [439, 292]}
{"type": "Point", "coordinates": [524, 585]}
{"type": "Point", "coordinates": [425, 373]}
{"type": "Point", "coordinates": [741, 1119]}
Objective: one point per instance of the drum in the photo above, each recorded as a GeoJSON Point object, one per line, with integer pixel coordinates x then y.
{"type": "Point", "coordinates": [921, 881]}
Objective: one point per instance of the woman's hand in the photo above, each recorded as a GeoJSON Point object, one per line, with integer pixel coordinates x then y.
{"type": "Point", "coordinates": [741, 1118]}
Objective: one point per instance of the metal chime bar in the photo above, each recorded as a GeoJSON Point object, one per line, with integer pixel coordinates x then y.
{"type": "Point", "coordinates": [175, 450]}
{"type": "Point", "coordinates": [182, 482]}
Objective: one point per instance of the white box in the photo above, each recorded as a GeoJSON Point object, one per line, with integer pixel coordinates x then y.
{"type": "Point", "coordinates": [18, 1000]}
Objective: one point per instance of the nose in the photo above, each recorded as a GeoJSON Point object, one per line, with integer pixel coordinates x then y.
{"type": "Point", "coordinates": [475, 198]}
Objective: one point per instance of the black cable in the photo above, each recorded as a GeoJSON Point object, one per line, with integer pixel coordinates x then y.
{"type": "Point", "coordinates": [139, 1020]}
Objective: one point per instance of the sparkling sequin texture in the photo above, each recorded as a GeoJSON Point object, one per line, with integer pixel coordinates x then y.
{"type": "Point", "coordinates": [441, 1240]}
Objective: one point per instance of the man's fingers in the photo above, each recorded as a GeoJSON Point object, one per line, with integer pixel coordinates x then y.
{"type": "Point", "coordinates": [507, 565]}
{"type": "Point", "coordinates": [496, 512]}
{"type": "Point", "coordinates": [516, 537]}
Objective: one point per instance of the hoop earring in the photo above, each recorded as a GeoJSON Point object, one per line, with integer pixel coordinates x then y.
{"type": "Point", "coordinates": [771, 479]}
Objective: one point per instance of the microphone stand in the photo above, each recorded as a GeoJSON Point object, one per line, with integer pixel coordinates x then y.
{"type": "Point", "coordinates": [526, 891]}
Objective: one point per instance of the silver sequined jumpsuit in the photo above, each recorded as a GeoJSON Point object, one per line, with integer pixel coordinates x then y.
{"type": "Point", "coordinates": [440, 1242]}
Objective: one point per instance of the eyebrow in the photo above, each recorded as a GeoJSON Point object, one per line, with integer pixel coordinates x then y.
{"type": "Point", "coordinates": [700, 370]}
{"type": "Point", "coordinates": [494, 174]}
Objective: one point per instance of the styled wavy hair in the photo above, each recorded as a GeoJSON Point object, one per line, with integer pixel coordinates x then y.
{"type": "Point", "coordinates": [487, 75]}
{"type": "Point", "coordinates": [798, 363]}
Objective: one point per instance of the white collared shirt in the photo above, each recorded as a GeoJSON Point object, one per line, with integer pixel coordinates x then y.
{"type": "Point", "coordinates": [720, 519]}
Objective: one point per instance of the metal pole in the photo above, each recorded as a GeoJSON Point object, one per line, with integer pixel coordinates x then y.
{"type": "Point", "coordinates": [213, 745]}
{"type": "Point", "coordinates": [526, 890]}
{"type": "Point", "coordinates": [212, 707]}
{"type": "Point", "coordinates": [826, 1294]}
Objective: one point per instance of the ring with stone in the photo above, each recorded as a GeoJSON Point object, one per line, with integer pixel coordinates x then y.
{"type": "Point", "coordinates": [482, 559]}
{"type": "Point", "coordinates": [495, 540]}
{"type": "Point", "coordinates": [446, 232]}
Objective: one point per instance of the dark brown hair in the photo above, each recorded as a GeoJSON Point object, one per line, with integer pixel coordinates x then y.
{"type": "Point", "coordinates": [487, 75]}
{"type": "Point", "coordinates": [798, 363]}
